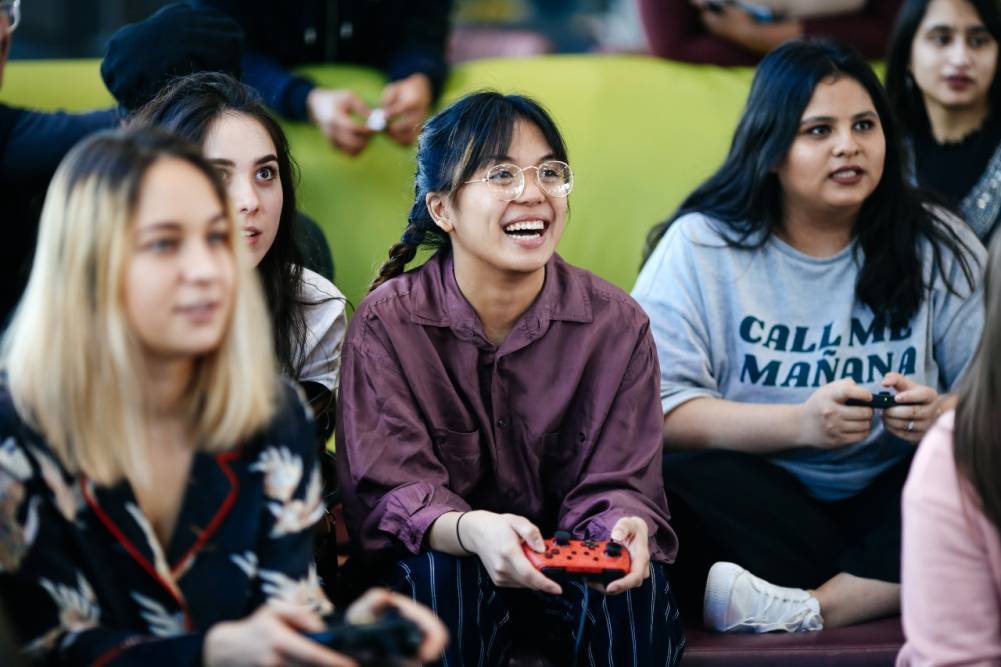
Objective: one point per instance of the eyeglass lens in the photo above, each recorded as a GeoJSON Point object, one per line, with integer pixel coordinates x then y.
{"type": "Point", "coordinates": [508, 180]}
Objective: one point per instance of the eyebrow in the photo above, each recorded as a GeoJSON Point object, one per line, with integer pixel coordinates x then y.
{"type": "Point", "coordinates": [508, 158]}
{"type": "Point", "coordinates": [174, 226]}
{"type": "Point", "coordinates": [831, 119]}
{"type": "Point", "coordinates": [948, 27]}
{"type": "Point", "coordinates": [223, 162]}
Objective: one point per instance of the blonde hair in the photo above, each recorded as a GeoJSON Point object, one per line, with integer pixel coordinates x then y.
{"type": "Point", "coordinates": [74, 365]}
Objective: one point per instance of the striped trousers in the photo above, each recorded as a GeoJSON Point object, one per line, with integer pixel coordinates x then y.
{"type": "Point", "coordinates": [638, 628]}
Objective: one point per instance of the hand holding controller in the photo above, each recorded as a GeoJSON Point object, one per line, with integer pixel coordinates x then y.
{"type": "Point", "coordinates": [596, 560]}
{"type": "Point", "coordinates": [388, 638]}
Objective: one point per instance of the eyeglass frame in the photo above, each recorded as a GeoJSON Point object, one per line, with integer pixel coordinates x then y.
{"type": "Point", "coordinates": [12, 8]}
{"type": "Point", "coordinates": [524, 181]}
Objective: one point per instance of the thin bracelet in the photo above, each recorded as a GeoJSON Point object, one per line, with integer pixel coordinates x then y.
{"type": "Point", "coordinates": [458, 538]}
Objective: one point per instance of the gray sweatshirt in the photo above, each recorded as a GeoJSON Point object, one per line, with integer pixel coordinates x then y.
{"type": "Point", "coordinates": [771, 325]}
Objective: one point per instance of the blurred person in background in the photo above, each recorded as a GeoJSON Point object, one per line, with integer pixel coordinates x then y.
{"type": "Point", "coordinates": [31, 145]}
{"type": "Point", "coordinates": [404, 38]}
{"type": "Point", "coordinates": [943, 81]}
{"type": "Point", "coordinates": [740, 32]}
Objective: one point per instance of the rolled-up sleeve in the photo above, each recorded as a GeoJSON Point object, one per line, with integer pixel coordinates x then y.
{"type": "Point", "coordinates": [393, 483]}
{"type": "Point", "coordinates": [620, 473]}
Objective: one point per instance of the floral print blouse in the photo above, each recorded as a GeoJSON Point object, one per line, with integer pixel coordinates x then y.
{"type": "Point", "coordinates": [85, 580]}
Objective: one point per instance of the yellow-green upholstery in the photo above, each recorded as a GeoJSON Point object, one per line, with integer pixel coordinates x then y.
{"type": "Point", "coordinates": [641, 134]}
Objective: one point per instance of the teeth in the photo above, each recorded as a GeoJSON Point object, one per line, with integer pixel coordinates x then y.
{"type": "Point", "coordinates": [247, 232]}
{"type": "Point", "coordinates": [847, 172]}
{"type": "Point", "coordinates": [528, 225]}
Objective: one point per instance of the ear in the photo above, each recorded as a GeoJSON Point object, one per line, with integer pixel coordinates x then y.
{"type": "Point", "coordinates": [440, 210]}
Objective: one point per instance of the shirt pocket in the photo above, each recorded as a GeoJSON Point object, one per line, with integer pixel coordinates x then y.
{"type": "Point", "coordinates": [461, 455]}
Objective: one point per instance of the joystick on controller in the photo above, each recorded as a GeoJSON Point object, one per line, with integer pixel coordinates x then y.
{"type": "Point", "coordinates": [596, 560]}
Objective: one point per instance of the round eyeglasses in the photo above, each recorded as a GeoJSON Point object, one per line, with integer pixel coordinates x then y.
{"type": "Point", "coordinates": [507, 181]}
{"type": "Point", "coordinates": [12, 10]}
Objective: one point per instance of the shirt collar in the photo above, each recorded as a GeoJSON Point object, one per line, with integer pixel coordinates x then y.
{"type": "Point", "coordinates": [437, 301]}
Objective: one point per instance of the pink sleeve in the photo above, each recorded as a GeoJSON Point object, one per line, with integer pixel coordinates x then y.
{"type": "Point", "coordinates": [950, 565]}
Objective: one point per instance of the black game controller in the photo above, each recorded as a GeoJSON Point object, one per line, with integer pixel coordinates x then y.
{"type": "Point", "coordinates": [388, 639]}
{"type": "Point", "coordinates": [880, 401]}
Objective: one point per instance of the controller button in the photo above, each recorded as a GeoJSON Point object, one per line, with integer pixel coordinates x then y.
{"type": "Point", "coordinates": [613, 549]}
{"type": "Point", "coordinates": [562, 538]}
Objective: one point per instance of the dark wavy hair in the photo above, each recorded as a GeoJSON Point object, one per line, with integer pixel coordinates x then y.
{"type": "Point", "coordinates": [905, 96]}
{"type": "Point", "coordinates": [453, 145]}
{"type": "Point", "coordinates": [187, 107]}
{"type": "Point", "coordinates": [745, 195]}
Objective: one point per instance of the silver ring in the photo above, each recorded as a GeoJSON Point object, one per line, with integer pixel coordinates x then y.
{"type": "Point", "coordinates": [910, 426]}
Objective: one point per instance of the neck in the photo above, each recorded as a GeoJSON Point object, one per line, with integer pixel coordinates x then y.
{"type": "Point", "coordinates": [499, 298]}
{"type": "Point", "coordinates": [949, 125]}
{"type": "Point", "coordinates": [165, 382]}
{"type": "Point", "coordinates": [817, 234]}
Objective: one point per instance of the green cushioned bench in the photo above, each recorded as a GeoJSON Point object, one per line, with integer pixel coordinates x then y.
{"type": "Point", "coordinates": [641, 134]}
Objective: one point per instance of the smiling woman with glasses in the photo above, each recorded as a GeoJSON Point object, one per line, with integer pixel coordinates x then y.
{"type": "Point", "coordinates": [496, 395]}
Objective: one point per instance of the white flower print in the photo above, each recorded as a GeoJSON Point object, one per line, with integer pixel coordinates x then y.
{"type": "Point", "coordinates": [160, 622]}
{"type": "Point", "coordinates": [294, 516]}
{"type": "Point", "coordinates": [78, 611]}
{"type": "Point", "coordinates": [14, 460]}
{"type": "Point", "coordinates": [159, 559]}
{"type": "Point", "coordinates": [69, 500]}
{"type": "Point", "coordinates": [282, 472]}
{"type": "Point", "coordinates": [15, 538]}
{"type": "Point", "coordinates": [247, 562]}
{"type": "Point", "coordinates": [306, 592]}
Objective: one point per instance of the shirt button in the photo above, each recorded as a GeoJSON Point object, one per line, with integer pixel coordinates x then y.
{"type": "Point", "coordinates": [501, 423]}
{"type": "Point", "coordinates": [512, 494]}
{"type": "Point", "coordinates": [581, 436]}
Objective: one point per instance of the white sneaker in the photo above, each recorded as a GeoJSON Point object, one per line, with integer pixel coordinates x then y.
{"type": "Point", "coordinates": [738, 601]}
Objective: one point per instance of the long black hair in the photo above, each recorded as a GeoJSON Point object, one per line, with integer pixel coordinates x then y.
{"type": "Point", "coordinates": [187, 108]}
{"type": "Point", "coordinates": [453, 145]}
{"type": "Point", "coordinates": [745, 195]}
{"type": "Point", "coordinates": [905, 97]}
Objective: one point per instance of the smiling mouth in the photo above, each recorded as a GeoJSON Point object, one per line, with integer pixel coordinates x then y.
{"type": "Point", "coordinates": [527, 229]}
{"type": "Point", "coordinates": [847, 173]}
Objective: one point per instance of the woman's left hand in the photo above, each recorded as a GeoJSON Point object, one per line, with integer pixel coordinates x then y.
{"type": "Point", "coordinates": [916, 409]}
{"type": "Point", "coordinates": [631, 532]}
{"type": "Point", "coordinates": [376, 601]}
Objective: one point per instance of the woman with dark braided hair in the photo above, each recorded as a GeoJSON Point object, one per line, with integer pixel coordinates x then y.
{"type": "Point", "coordinates": [495, 395]}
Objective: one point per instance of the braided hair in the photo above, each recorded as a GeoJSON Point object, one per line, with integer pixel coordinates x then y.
{"type": "Point", "coordinates": [454, 145]}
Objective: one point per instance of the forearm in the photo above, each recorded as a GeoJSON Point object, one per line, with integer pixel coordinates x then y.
{"type": "Point", "coordinates": [711, 423]}
{"type": "Point", "coordinates": [767, 36]}
{"type": "Point", "coordinates": [444, 535]}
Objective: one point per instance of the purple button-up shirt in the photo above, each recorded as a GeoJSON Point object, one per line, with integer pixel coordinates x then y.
{"type": "Point", "coordinates": [561, 424]}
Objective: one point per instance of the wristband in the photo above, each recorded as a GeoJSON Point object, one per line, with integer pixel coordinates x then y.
{"type": "Point", "coordinates": [458, 538]}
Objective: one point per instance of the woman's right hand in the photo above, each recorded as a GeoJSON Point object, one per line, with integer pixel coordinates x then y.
{"type": "Point", "coordinates": [826, 422]}
{"type": "Point", "coordinates": [496, 539]}
{"type": "Point", "coordinates": [271, 637]}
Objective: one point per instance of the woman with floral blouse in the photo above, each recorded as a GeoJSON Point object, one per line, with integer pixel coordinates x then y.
{"type": "Point", "coordinates": [158, 482]}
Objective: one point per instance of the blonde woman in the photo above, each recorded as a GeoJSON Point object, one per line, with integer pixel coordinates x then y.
{"type": "Point", "coordinates": [158, 482]}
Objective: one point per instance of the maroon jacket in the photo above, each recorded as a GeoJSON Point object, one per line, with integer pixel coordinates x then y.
{"type": "Point", "coordinates": [561, 424]}
{"type": "Point", "coordinates": [674, 30]}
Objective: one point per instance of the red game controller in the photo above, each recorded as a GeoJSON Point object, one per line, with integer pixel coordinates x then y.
{"type": "Point", "coordinates": [595, 560]}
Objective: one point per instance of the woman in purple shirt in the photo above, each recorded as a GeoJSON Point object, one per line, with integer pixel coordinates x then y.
{"type": "Point", "coordinates": [496, 395]}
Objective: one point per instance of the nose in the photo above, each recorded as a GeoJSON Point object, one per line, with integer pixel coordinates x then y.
{"type": "Point", "coordinates": [532, 192]}
{"type": "Point", "coordinates": [202, 262]}
{"type": "Point", "coordinates": [847, 144]}
{"type": "Point", "coordinates": [960, 54]}
{"type": "Point", "coordinates": [244, 196]}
